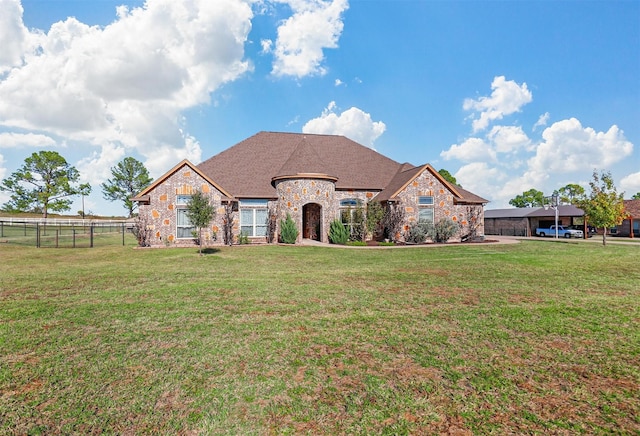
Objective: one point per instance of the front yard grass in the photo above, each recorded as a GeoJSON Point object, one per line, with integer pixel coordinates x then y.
{"type": "Point", "coordinates": [527, 338]}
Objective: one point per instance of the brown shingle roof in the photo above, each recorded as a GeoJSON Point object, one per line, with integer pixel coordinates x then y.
{"type": "Point", "coordinates": [247, 168]}
{"type": "Point", "coordinates": [632, 207]}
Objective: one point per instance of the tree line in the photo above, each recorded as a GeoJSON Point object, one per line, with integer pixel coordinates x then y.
{"type": "Point", "coordinates": [46, 182]}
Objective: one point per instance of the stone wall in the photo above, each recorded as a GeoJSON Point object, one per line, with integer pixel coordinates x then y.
{"type": "Point", "coordinates": [161, 211]}
{"type": "Point", "coordinates": [426, 184]}
{"type": "Point", "coordinates": [294, 194]}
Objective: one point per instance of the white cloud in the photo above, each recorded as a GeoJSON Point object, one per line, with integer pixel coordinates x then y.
{"type": "Point", "coordinates": [124, 84]}
{"type": "Point", "coordinates": [14, 36]}
{"type": "Point", "coordinates": [630, 184]}
{"type": "Point", "coordinates": [96, 168]}
{"type": "Point", "coordinates": [339, 82]}
{"type": "Point", "coordinates": [480, 178]}
{"type": "Point", "coordinates": [568, 146]}
{"type": "Point", "coordinates": [507, 97]}
{"type": "Point", "coordinates": [471, 150]}
{"type": "Point", "coordinates": [507, 139]}
{"type": "Point", "coordinates": [542, 121]}
{"type": "Point", "coordinates": [352, 123]}
{"type": "Point", "coordinates": [314, 26]}
{"type": "Point", "coordinates": [14, 140]}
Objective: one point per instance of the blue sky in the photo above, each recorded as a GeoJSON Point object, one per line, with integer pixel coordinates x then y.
{"type": "Point", "coordinates": [505, 95]}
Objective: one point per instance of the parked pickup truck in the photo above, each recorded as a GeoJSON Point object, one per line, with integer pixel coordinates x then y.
{"type": "Point", "coordinates": [562, 232]}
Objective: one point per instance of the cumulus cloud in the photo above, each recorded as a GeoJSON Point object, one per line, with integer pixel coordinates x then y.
{"type": "Point", "coordinates": [630, 184]}
{"type": "Point", "coordinates": [314, 26]}
{"type": "Point", "coordinates": [507, 139]}
{"type": "Point", "coordinates": [14, 140]}
{"type": "Point", "coordinates": [568, 146]}
{"type": "Point", "coordinates": [480, 177]}
{"type": "Point", "coordinates": [352, 123]}
{"type": "Point", "coordinates": [471, 150]}
{"type": "Point", "coordinates": [506, 98]}
{"type": "Point", "coordinates": [14, 36]}
{"type": "Point", "coordinates": [125, 84]}
{"type": "Point", "coordinates": [96, 168]}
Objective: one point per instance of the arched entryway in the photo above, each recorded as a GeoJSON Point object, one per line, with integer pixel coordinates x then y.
{"type": "Point", "coordinates": [311, 221]}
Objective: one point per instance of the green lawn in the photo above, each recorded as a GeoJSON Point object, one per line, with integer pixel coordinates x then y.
{"type": "Point", "coordinates": [538, 337]}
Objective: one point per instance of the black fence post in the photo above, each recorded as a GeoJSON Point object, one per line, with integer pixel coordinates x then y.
{"type": "Point", "coordinates": [37, 234]}
{"type": "Point", "coordinates": [91, 235]}
{"type": "Point", "coordinates": [123, 234]}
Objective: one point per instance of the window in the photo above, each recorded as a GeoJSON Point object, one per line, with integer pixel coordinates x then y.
{"type": "Point", "coordinates": [254, 216]}
{"type": "Point", "coordinates": [425, 215]}
{"type": "Point", "coordinates": [426, 200]}
{"type": "Point", "coordinates": [183, 199]}
{"type": "Point", "coordinates": [184, 227]}
{"type": "Point", "coordinates": [425, 210]}
{"type": "Point", "coordinates": [352, 216]}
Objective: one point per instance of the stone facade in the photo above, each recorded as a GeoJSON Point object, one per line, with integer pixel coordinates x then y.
{"type": "Point", "coordinates": [295, 194]}
{"type": "Point", "coordinates": [161, 209]}
{"type": "Point", "coordinates": [312, 202]}
{"type": "Point", "coordinates": [426, 184]}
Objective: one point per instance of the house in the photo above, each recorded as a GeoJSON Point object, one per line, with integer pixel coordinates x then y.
{"type": "Point", "coordinates": [523, 221]}
{"type": "Point", "coordinates": [632, 208]}
{"type": "Point", "coordinates": [313, 178]}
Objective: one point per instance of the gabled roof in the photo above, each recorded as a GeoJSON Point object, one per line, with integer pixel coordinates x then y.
{"type": "Point", "coordinates": [632, 207]}
{"type": "Point", "coordinates": [143, 196]}
{"type": "Point", "coordinates": [247, 168]}
{"type": "Point", "coordinates": [408, 173]}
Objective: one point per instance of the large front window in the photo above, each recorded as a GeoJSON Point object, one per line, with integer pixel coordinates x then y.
{"type": "Point", "coordinates": [352, 216]}
{"type": "Point", "coordinates": [425, 209]}
{"type": "Point", "coordinates": [254, 216]}
{"type": "Point", "coordinates": [184, 228]}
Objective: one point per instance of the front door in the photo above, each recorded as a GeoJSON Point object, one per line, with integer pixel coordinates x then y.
{"type": "Point", "coordinates": [311, 214]}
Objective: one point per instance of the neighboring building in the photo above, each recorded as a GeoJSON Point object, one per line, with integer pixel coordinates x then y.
{"type": "Point", "coordinates": [314, 178]}
{"type": "Point", "coordinates": [524, 221]}
{"type": "Point", "coordinates": [632, 207]}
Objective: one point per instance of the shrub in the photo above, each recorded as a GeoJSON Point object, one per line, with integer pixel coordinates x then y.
{"type": "Point", "coordinates": [443, 230]}
{"type": "Point", "coordinates": [338, 233]}
{"type": "Point", "coordinates": [288, 231]}
{"type": "Point", "coordinates": [393, 221]}
{"type": "Point", "coordinates": [375, 215]}
{"type": "Point", "coordinates": [417, 232]}
{"type": "Point", "coordinates": [142, 231]}
{"type": "Point", "coordinates": [243, 239]}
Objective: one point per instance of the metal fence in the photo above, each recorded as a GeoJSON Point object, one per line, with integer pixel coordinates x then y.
{"type": "Point", "coordinates": [64, 233]}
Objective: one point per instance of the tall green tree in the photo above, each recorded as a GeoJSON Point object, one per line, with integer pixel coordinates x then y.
{"type": "Point", "coordinates": [44, 183]}
{"type": "Point", "coordinates": [129, 178]}
{"type": "Point", "coordinates": [200, 212]}
{"type": "Point", "coordinates": [571, 193]}
{"type": "Point", "coordinates": [448, 177]}
{"type": "Point", "coordinates": [530, 198]}
{"type": "Point", "coordinates": [603, 207]}
{"type": "Point", "coordinates": [636, 196]}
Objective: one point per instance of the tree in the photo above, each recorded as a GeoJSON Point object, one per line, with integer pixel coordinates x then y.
{"type": "Point", "coordinates": [530, 198]}
{"type": "Point", "coordinates": [200, 213]}
{"type": "Point", "coordinates": [448, 177]}
{"type": "Point", "coordinates": [636, 196]}
{"type": "Point", "coordinates": [375, 215]}
{"type": "Point", "coordinates": [44, 183]}
{"type": "Point", "coordinates": [603, 207]}
{"type": "Point", "coordinates": [129, 178]}
{"type": "Point", "coordinates": [288, 230]}
{"type": "Point", "coordinates": [570, 193]}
